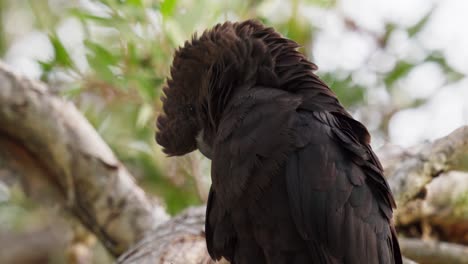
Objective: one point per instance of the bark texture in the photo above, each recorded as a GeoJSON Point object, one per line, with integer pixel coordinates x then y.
{"type": "Point", "coordinates": [178, 241]}
{"type": "Point", "coordinates": [410, 170]}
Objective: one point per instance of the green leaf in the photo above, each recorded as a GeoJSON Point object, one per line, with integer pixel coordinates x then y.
{"type": "Point", "coordinates": [61, 56]}
{"type": "Point", "coordinates": [101, 53]}
{"type": "Point", "coordinates": [167, 7]}
{"type": "Point", "coordinates": [46, 67]}
{"type": "Point", "coordinates": [401, 69]}
{"type": "Point", "coordinates": [451, 74]}
{"type": "Point", "coordinates": [136, 3]}
{"type": "Point", "coordinates": [389, 29]}
{"type": "Point", "coordinates": [415, 29]}
{"type": "Point", "coordinates": [83, 15]}
{"type": "Point", "coordinates": [101, 60]}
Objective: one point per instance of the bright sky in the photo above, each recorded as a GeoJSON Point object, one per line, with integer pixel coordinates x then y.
{"type": "Point", "coordinates": [338, 49]}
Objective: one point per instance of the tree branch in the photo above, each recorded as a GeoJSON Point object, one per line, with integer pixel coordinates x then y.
{"type": "Point", "coordinates": [411, 170]}
{"type": "Point", "coordinates": [180, 240]}
{"type": "Point", "coordinates": [444, 202]}
{"type": "Point", "coordinates": [97, 187]}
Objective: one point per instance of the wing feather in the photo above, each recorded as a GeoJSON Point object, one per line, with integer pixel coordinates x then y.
{"type": "Point", "coordinates": [338, 196]}
{"type": "Point", "coordinates": [339, 201]}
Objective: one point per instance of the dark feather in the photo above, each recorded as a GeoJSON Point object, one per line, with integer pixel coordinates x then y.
{"type": "Point", "coordinates": [294, 179]}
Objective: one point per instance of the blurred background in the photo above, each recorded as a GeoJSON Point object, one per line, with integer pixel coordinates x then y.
{"type": "Point", "coordinates": [399, 66]}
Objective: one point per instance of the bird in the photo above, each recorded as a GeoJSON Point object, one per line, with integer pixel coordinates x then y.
{"type": "Point", "coordinates": [294, 178]}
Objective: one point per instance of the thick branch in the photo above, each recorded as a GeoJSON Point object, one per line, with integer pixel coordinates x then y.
{"type": "Point", "coordinates": [444, 203]}
{"type": "Point", "coordinates": [180, 240]}
{"type": "Point", "coordinates": [410, 171]}
{"type": "Point", "coordinates": [97, 187]}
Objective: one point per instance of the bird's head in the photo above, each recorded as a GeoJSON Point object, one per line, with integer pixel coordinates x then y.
{"type": "Point", "coordinates": [205, 73]}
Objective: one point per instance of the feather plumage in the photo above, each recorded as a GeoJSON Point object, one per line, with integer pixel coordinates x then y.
{"type": "Point", "coordinates": [294, 177]}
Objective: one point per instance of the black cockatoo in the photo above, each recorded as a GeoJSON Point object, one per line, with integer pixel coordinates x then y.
{"type": "Point", "coordinates": [294, 179]}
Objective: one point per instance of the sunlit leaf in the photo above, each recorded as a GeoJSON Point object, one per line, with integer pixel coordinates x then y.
{"type": "Point", "coordinates": [167, 7]}
{"type": "Point", "coordinates": [137, 3]}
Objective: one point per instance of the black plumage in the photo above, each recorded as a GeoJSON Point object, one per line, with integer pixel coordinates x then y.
{"type": "Point", "coordinates": [294, 179]}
